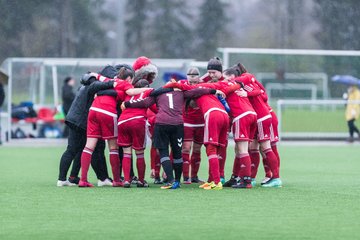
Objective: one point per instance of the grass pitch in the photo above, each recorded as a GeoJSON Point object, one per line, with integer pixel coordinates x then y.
{"type": "Point", "coordinates": [319, 200]}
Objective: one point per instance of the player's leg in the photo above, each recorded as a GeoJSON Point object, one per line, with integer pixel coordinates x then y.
{"type": "Point", "coordinates": [126, 165]}
{"type": "Point", "coordinates": [138, 129]}
{"type": "Point", "coordinates": [98, 163]}
{"type": "Point", "coordinates": [186, 158]}
{"type": "Point", "coordinates": [75, 145]}
{"type": "Point", "coordinates": [244, 172]}
{"type": "Point", "coordinates": [161, 142]}
{"type": "Point", "coordinates": [196, 154]}
{"type": "Point", "coordinates": [176, 143]}
{"type": "Point", "coordinates": [272, 161]}
{"type": "Point", "coordinates": [114, 161]}
{"type": "Point", "coordinates": [86, 161]}
{"type": "Point", "coordinates": [255, 157]}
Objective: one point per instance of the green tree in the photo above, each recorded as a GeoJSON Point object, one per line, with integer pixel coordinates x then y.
{"type": "Point", "coordinates": [171, 35]}
{"type": "Point", "coordinates": [210, 28]}
{"type": "Point", "coordinates": [137, 26]}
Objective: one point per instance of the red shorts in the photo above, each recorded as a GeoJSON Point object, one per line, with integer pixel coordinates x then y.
{"type": "Point", "coordinates": [216, 128]}
{"type": "Point", "coordinates": [274, 131]}
{"type": "Point", "coordinates": [263, 128]}
{"type": "Point", "coordinates": [102, 124]}
{"type": "Point", "coordinates": [132, 132]}
{"type": "Point", "coordinates": [194, 133]}
{"type": "Point", "coordinates": [244, 128]}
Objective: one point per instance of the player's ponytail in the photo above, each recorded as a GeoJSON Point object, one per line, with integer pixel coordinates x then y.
{"type": "Point", "coordinates": [241, 68]}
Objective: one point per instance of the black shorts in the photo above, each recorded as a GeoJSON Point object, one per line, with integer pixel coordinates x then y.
{"type": "Point", "coordinates": [165, 135]}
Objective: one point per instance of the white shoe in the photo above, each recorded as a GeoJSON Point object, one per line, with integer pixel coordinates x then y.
{"type": "Point", "coordinates": [104, 183]}
{"type": "Point", "coordinates": [65, 184]}
{"type": "Point", "coordinates": [265, 180]}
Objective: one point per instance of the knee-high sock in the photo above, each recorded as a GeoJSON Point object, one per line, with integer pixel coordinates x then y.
{"type": "Point", "coordinates": [115, 164]}
{"type": "Point", "coordinates": [255, 160]}
{"type": "Point", "coordinates": [222, 160]}
{"type": "Point", "coordinates": [85, 163]}
{"type": "Point", "coordinates": [245, 165]}
{"type": "Point", "coordinates": [211, 151]}
{"type": "Point", "coordinates": [168, 168]}
{"type": "Point", "coordinates": [236, 166]}
{"type": "Point", "coordinates": [195, 163]}
{"type": "Point", "coordinates": [274, 148]}
{"type": "Point", "coordinates": [126, 165]}
{"type": "Point", "coordinates": [186, 164]}
{"type": "Point", "coordinates": [155, 161]}
{"type": "Point", "coordinates": [141, 166]}
{"type": "Point", "coordinates": [272, 161]}
{"type": "Point", "coordinates": [267, 169]}
{"type": "Point", "coordinates": [178, 168]}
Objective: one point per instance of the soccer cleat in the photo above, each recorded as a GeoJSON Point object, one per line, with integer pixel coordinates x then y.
{"type": "Point", "coordinates": [74, 180]}
{"type": "Point", "coordinates": [142, 184]}
{"type": "Point", "coordinates": [222, 180]}
{"type": "Point", "coordinates": [265, 180]}
{"type": "Point", "coordinates": [232, 181]}
{"type": "Point", "coordinates": [243, 183]}
{"type": "Point", "coordinates": [126, 184]}
{"type": "Point", "coordinates": [213, 186]}
{"type": "Point", "coordinates": [65, 183]}
{"type": "Point", "coordinates": [84, 184]}
{"type": "Point", "coordinates": [253, 182]}
{"type": "Point", "coordinates": [187, 180]}
{"type": "Point", "coordinates": [205, 184]}
{"type": "Point", "coordinates": [173, 185]}
{"type": "Point", "coordinates": [158, 181]}
{"type": "Point", "coordinates": [275, 183]}
{"type": "Point", "coordinates": [106, 182]}
{"type": "Point", "coordinates": [117, 184]}
{"type": "Point", "coordinates": [197, 180]}
{"type": "Point", "coordinates": [134, 180]}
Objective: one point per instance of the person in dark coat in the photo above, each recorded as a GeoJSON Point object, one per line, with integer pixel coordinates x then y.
{"type": "Point", "coordinates": [76, 120]}
{"type": "Point", "coordinates": [67, 95]}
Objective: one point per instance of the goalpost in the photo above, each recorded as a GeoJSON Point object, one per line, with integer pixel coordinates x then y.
{"type": "Point", "coordinates": [312, 119]}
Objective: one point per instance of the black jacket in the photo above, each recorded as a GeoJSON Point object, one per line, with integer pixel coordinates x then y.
{"type": "Point", "coordinates": [68, 97]}
{"type": "Point", "coordinates": [79, 110]}
{"type": "Point", "coordinates": [2, 94]}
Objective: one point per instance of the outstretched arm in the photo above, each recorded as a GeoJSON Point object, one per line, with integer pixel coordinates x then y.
{"type": "Point", "coordinates": [160, 91]}
{"type": "Point", "coordinates": [143, 103]}
{"type": "Point", "coordinates": [198, 92]}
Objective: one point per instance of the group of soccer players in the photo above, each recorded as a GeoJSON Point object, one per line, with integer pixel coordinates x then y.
{"type": "Point", "coordinates": [179, 118]}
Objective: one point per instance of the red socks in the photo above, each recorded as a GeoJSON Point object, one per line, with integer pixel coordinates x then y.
{"type": "Point", "coordinates": [140, 165]}
{"type": "Point", "coordinates": [272, 162]}
{"type": "Point", "coordinates": [186, 164]}
{"type": "Point", "coordinates": [195, 163]}
{"type": "Point", "coordinates": [255, 160]}
{"type": "Point", "coordinates": [155, 161]}
{"type": "Point", "coordinates": [85, 163]}
{"type": "Point", "coordinates": [274, 149]}
{"type": "Point", "coordinates": [222, 160]}
{"type": "Point", "coordinates": [115, 164]}
{"type": "Point", "coordinates": [213, 162]}
{"type": "Point", "coordinates": [236, 166]}
{"type": "Point", "coordinates": [245, 165]}
{"type": "Point", "coordinates": [126, 164]}
{"type": "Point", "coordinates": [266, 167]}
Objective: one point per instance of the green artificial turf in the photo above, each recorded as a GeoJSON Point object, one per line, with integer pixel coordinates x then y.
{"type": "Point", "coordinates": [319, 200]}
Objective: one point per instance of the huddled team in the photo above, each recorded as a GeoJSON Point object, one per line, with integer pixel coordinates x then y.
{"type": "Point", "coordinates": [183, 115]}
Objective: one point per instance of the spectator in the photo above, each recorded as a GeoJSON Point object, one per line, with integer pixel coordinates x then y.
{"type": "Point", "coordinates": [68, 96]}
{"type": "Point", "coordinates": [352, 111]}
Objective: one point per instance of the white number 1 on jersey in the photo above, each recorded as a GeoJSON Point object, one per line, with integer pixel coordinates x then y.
{"type": "Point", "coordinates": [171, 102]}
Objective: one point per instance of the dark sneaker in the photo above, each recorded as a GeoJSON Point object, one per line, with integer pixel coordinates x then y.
{"type": "Point", "coordinates": [197, 180]}
{"type": "Point", "coordinates": [158, 181]}
{"type": "Point", "coordinates": [127, 184]}
{"type": "Point", "coordinates": [243, 183]}
{"type": "Point", "coordinates": [134, 180]}
{"type": "Point", "coordinates": [74, 180]}
{"type": "Point", "coordinates": [142, 184]}
{"type": "Point", "coordinates": [187, 180]}
{"type": "Point", "coordinates": [232, 181]}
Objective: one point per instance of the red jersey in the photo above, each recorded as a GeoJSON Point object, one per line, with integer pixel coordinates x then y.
{"type": "Point", "coordinates": [239, 106]}
{"type": "Point", "coordinates": [193, 114]}
{"type": "Point", "coordinates": [108, 103]}
{"type": "Point", "coordinates": [254, 94]}
{"type": "Point", "coordinates": [208, 78]}
{"type": "Point", "coordinates": [133, 113]}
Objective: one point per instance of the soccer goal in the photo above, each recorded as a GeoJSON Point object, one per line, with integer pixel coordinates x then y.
{"type": "Point", "coordinates": [312, 119]}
